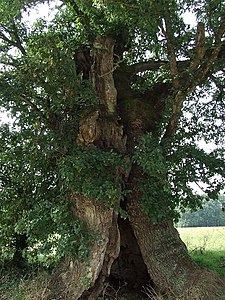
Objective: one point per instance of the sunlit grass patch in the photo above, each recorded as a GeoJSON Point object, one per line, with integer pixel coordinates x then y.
{"type": "Point", "coordinates": [206, 246]}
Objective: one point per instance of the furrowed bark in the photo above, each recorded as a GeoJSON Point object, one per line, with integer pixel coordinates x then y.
{"type": "Point", "coordinates": [171, 268]}
{"type": "Point", "coordinates": [102, 73]}
{"type": "Point", "coordinates": [85, 280]}
{"type": "Point", "coordinates": [156, 250]}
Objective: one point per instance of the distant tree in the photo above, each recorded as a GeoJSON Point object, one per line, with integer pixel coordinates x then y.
{"type": "Point", "coordinates": [108, 105]}
{"type": "Point", "coordinates": [211, 214]}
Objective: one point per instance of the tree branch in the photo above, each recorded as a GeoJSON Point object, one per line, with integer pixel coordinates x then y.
{"type": "Point", "coordinates": [218, 46]}
{"type": "Point", "coordinates": [201, 74]}
{"type": "Point", "coordinates": [199, 47]}
{"type": "Point", "coordinates": [15, 43]}
{"type": "Point", "coordinates": [168, 33]}
{"type": "Point", "coordinates": [219, 85]}
{"type": "Point", "coordinates": [17, 38]}
{"type": "Point", "coordinates": [182, 65]}
{"type": "Point", "coordinates": [175, 115]}
{"type": "Point", "coordinates": [25, 99]}
{"type": "Point", "coordinates": [146, 66]}
{"type": "Point", "coordinates": [155, 66]}
{"type": "Point", "coordinates": [84, 19]}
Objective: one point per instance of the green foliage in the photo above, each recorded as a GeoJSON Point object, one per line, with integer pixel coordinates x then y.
{"type": "Point", "coordinates": [44, 90]}
{"type": "Point", "coordinates": [92, 172]}
{"type": "Point", "coordinates": [157, 198]}
{"type": "Point", "coordinates": [165, 185]}
{"type": "Point", "coordinates": [190, 164]}
{"type": "Point", "coordinates": [33, 203]}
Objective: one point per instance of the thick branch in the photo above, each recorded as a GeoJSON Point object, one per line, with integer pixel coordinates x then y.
{"type": "Point", "coordinates": [174, 118]}
{"type": "Point", "coordinates": [200, 75]}
{"type": "Point", "coordinates": [147, 66]}
{"type": "Point", "coordinates": [204, 69]}
{"type": "Point", "coordinates": [155, 66]}
{"type": "Point", "coordinates": [102, 72]}
{"type": "Point", "coordinates": [182, 65]}
{"type": "Point", "coordinates": [199, 47]}
{"type": "Point", "coordinates": [17, 39]}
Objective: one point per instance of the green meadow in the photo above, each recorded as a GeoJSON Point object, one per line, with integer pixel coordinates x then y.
{"type": "Point", "coordinates": [206, 245]}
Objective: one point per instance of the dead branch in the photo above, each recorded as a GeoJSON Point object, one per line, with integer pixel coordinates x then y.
{"type": "Point", "coordinates": [167, 30]}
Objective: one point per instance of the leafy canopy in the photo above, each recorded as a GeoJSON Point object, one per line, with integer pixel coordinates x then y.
{"type": "Point", "coordinates": [41, 85]}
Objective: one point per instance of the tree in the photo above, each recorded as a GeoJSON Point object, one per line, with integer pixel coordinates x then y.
{"type": "Point", "coordinates": [108, 105]}
{"type": "Point", "coordinates": [211, 214]}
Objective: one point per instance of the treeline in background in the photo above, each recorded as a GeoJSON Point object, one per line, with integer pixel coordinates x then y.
{"type": "Point", "coordinates": [211, 214]}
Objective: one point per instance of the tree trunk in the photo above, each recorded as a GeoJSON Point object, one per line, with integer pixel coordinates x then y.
{"type": "Point", "coordinates": [20, 244]}
{"type": "Point", "coordinates": [171, 268]}
{"type": "Point", "coordinates": [131, 253]}
{"type": "Point", "coordinates": [131, 257]}
{"type": "Point", "coordinates": [85, 280]}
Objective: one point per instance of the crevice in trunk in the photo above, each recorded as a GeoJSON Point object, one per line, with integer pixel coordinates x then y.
{"type": "Point", "coordinates": [128, 275]}
{"type": "Point", "coordinates": [129, 268]}
{"type": "Point", "coordinates": [171, 268]}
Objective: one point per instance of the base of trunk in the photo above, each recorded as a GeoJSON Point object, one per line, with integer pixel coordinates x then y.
{"type": "Point", "coordinates": [129, 274]}
{"type": "Point", "coordinates": [127, 278]}
{"type": "Point", "coordinates": [136, 260]}
{"type": "Point", "coordinates": [129, 268]}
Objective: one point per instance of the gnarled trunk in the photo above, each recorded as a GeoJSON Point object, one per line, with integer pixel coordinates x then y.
{"type": "Point", "coordinates": [131, 255]}
{"type": "Point", "coordinates": [168, 263]}
{"type": "Point", "coordinates": [85, 280]}
{"type": "Point", "coordinates": [132, 252]}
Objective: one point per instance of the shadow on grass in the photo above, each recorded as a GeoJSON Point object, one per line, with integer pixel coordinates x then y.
{"type": "Point", "coordinates": [27, 284]}
{"type": "Point", "coordinates": [214, 260]}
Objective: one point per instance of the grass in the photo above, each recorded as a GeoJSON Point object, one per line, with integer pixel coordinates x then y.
{"type": "Point", "coordinates": [206, 245]}
{"type": "Point", "coordinates": [16, 286]}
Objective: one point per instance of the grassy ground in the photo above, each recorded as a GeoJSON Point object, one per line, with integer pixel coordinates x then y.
{"type": "Point", "coordinates": [206, 246]}
{"type": "Point", "coordinates": [16, 286]}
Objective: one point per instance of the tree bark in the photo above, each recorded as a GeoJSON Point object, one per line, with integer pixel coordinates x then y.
{"type": "Point", "coordinates": [134, 252]}
{"type": "Point", "coordinates": [85, 280]}
{"type": "Point", "coordinates": [171, 268]}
